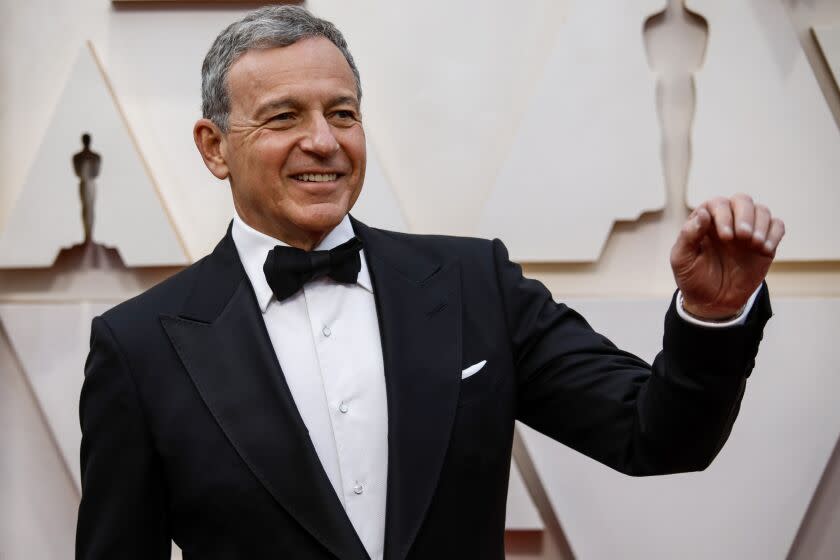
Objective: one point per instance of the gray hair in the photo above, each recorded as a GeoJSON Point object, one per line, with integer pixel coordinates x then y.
{"type": "Point", "coordinates": [267, 27]}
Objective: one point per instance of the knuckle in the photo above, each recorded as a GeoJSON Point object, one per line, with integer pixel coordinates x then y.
{"type": "Point", "coordinates": [742, 197]}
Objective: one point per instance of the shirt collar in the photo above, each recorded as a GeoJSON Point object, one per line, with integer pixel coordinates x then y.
{"type": "Point", "coordinates": [253, 247]}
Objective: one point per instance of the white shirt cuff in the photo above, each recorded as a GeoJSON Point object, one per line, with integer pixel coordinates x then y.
{"type": "Point", "coordinates": [740, 319]}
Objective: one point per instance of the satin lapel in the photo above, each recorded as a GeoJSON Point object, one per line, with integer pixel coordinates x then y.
{"type": "Point", "coordinates": [419, 307]}
{"type": "Point", "coordinates": [222, 342]}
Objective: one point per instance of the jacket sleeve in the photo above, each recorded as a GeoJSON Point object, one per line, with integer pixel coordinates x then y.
{"type": "Point", "coordinates": [123, 508]}
{"type": "Point", "coordinates": [576, 387]}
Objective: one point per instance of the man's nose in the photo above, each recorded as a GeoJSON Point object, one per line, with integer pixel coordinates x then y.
{"type": "Point", "coordinates": [319, 138]}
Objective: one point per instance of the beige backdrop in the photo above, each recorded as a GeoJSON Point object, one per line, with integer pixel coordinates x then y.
{"type": "Point", "coordinates": [454, 136]}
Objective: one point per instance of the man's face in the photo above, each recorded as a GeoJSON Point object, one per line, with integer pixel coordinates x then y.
{"type": "Point", "coordinates": [295, 148]}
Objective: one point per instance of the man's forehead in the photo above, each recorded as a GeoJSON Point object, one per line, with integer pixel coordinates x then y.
{"type": "Point", "coordinates": [312, 56]}
{"type": "Point", "coordinates": [310, 66]}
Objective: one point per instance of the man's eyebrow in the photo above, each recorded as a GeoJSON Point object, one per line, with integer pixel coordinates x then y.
{"type": "Point", "coordinates": [276, 104]}
{"type": "Point", "coordinates": [344, 100]}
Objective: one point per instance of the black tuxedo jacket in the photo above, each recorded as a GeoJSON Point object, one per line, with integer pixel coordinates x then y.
{"type": "Point", "coordinates": [190, 431]}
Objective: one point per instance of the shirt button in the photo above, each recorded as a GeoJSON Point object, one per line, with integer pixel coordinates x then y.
{"type": "Point", "coordinates": [358, 488]}
{"type": "Point", "coordinates": [343, 408]}
{"type": "Point", "coordinates": [326, 331]}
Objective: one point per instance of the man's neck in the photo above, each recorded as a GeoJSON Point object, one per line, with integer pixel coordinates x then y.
{"type": "Point", "coordinates": [305, 242]}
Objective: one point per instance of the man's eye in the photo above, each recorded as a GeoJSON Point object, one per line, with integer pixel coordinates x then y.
{"type": "Point", "coordinates": [283, 117]}
{"type": "Point", "coordinates": [345, 114]}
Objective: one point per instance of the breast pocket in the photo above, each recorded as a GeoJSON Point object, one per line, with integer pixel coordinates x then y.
{"type": "Point", "coordinates": [478, 381]}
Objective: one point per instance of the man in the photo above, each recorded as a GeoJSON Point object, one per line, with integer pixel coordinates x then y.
{"type": "Point", "coordinates": [317, 388]}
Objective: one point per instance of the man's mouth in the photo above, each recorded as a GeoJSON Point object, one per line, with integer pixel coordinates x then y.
{"type": "Point", "coordinates": [316, 177]}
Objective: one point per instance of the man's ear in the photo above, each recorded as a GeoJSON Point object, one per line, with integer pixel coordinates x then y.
{"type": "Point", "coordinates": [208, 139]}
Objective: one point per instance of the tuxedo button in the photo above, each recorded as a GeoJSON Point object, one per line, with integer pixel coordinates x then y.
{"type": "Point", "coordinates": [343, 408]}
{"type": "Point", "coordinates": [326, 331]}
{"type": "Point", "coordinates": [358, 488]}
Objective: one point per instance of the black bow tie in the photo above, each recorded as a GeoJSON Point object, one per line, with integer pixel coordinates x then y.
{"type": "Point", "coordinates": [287, 269]}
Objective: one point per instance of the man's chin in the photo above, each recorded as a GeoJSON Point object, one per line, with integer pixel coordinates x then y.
{"type": "Point", "coordinates": [323, 218]}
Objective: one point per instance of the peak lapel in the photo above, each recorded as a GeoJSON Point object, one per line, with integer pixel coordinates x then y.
{"type": "Point", "coordinates": [221, 339]}
{"type": "Point", "coordinates": [419, 307]}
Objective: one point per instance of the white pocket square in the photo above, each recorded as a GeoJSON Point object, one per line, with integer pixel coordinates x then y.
{"type": "Point", "coordinates": [473, 369]}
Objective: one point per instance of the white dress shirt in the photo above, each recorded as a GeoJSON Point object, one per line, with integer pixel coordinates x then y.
{"type": "Point", "coordinates": [326, 337]}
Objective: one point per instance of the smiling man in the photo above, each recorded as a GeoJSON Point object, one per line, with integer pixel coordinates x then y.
{"type": "Point", "coordinates": [292, 142]}
{"type": "Point", "coordinates": [317, 388]}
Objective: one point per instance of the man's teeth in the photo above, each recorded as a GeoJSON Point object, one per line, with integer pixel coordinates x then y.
{"type": "Point", "coordinates": [317, 177]}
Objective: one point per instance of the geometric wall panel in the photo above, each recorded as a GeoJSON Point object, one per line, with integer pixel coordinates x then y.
{"type": "Point", "coordinates": [763, 126]}
{"type": "Point", "coordinates": [39, 502]}
{"type": "Point", "coordinates": [377, 204]}
{"type": "Point", "coordinates": [749, 503]}
{"type": "Point", "coordinates": [128, 213]}
{"type": "Point", "coordinates": [597, 96]}
{"type": "Point", "coordinates": [829, 41]}
{"type": "Point", "coordinates": [52, 342]}
{"type": "Point", "coordinates": [522, 514]}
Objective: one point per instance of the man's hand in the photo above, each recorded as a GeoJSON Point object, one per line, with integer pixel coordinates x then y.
{"type": "Point", "coordinates": [722, 254]}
